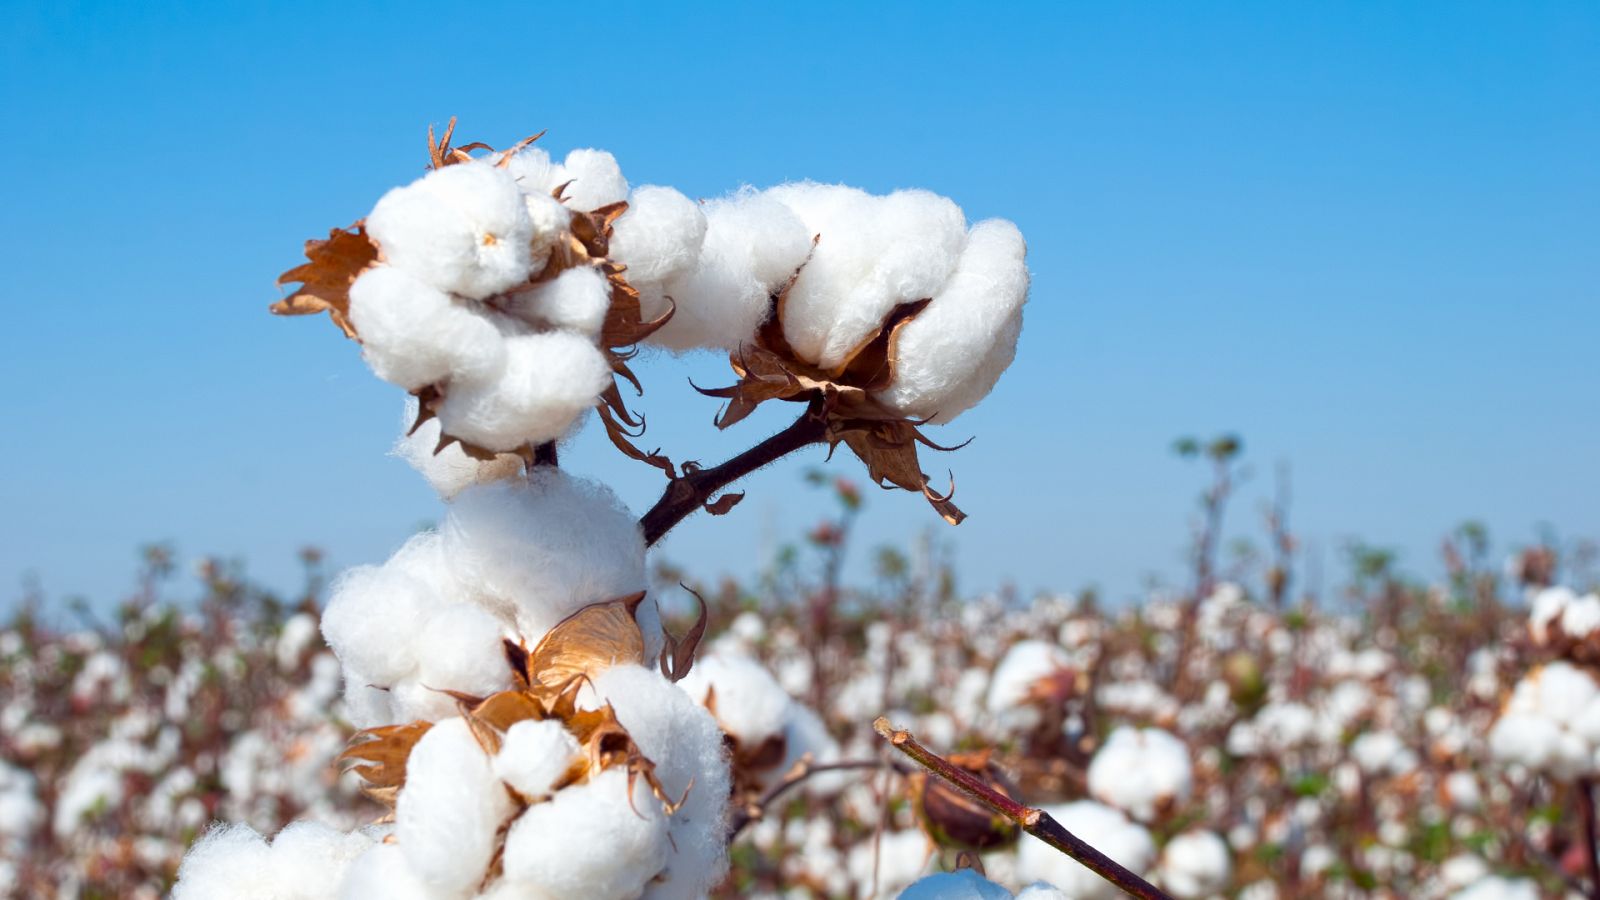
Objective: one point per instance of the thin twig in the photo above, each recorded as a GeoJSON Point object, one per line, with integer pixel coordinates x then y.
{"type": "Point", "coordinates": [1031, 819]}
{"type": "Point", "coordinates": [690, 492]}
{"type": "Point", "coordinates": [798, 773]}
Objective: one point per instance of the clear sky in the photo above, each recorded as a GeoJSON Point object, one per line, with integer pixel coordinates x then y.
{"type": "Point", "coordinates": [1366, 236]}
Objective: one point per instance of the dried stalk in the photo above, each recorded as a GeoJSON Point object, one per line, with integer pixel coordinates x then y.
{"type": "Point", "coordinates": [1032, 820]}
{"type": "Point", "coordinates": [798, 773]}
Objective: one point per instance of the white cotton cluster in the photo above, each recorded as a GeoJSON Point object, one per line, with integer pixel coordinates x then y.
{"type": "Point", "coordinates": [1126, 842]}
{"type": "Point", "coordinates": [1141, 771]}
{"type": "Point", "coordinates": [1495, 887]}
{"type": "Point", "coordinates": [517, 371]}
{"type": "Point", "coordinates": [450, 470]}
{"type": "Point", "coordinates": [306, 861]}
{"type": "Point", "coordinates": [1011, 689]}
{"type": "Point", "coordinates": [1551, 724]}
{"type": "Point", "coordinates": [1559, 612]}
{"type": "Point", "coordinates": [1383, 753]}
{"type": "Point", "coordinates": [753, 709]}
{"type": "Point", "coordinates": [512, 559]}
{"type": "Point", "coordinates": [21, 813]}
{"type": "Point", "coordinates": [720, 263]}
{"type": "Point", "coordinates": [1195, 864]}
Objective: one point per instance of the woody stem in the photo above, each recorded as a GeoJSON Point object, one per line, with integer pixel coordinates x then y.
{"type": "Point", "coordinates": [691, 490]}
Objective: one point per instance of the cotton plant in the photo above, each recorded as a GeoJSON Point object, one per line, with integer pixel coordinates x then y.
{"type": "Point", "coordinates": [526, 722]}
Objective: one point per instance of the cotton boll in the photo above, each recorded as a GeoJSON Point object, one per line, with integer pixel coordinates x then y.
{"type": "Point", "coordinates": [1195, 864]}
{"type": "Point", "coordinates": [451, 470]}
{"type": "Point", "coordinates": [533, 172]}
{"type": "Point", "coordinates": [1496, 888]}
{"type": "Point", "coordinates": [462, 651]}
{"type": "Point", "coordinates": [575, 300]}
{"type": "Point", "coordinates": [534, 756]}
{"type": "Point", "coordinates": [373, 618]}
{"type": "Point", "coordinates": [687, 748]}
{"type": "Point", "coordinates": [658, 239]}
{"type": "Point", "coordinates": [462, 229]}
{"type": "Point", "coordinates": [229, 861]}
{"type": "Point", "coordinates": [1582, 617]}
{"type": "Point", "coordinates": [537, 551]}
{"type": "Point", "coordinates": [1023, 666]}
{"type": "Point", "coordinates": [951, 355]}
{"type": "Point", "coordinates": [596, 179]}
{"type": "Point", "coordinates": [1141, 771]}
{"type": "Point", "coordinates": [382, 871]}
{"type": "Point", "coordinates": [1041, 891]}
{"type": "Point", "coordinates": [413, 335]}
{"type": "Point", "coordinates": [963, 885]}
{"type": "Point", "coordinates": [548, 381]}
{"type": "Point", "coordinates": [450, 809]}
{"type": "Point", "coordinates": [551, 220]}
{"type": "Point", "coordinates": [590, 841]}
{"type": "Point", "coordinates": [746, 699]}
{"type": "Point", "coordinates": [310, 859]}
{"type": "Point", "coordinates": [1111, 833]}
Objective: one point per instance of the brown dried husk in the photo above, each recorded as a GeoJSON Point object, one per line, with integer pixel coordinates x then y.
{"type": "Point", "coordinates": [952, 819]}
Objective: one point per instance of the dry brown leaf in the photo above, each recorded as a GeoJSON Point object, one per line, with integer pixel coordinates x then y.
{"type": "Point", "coordinates": [332, 266]}
{"type": "Point", "coordinates": [677, 656]}
{"type": "Point", "coordinates": [589, 641]}
{"type": "Point", "coordinates": [381, 754]}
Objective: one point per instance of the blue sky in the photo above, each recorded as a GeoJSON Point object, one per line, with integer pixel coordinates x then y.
{"type": "Point", "coordinates": [1364, 236]}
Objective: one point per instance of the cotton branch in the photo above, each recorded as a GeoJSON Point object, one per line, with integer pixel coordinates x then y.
{"type": "Point", "coordinates": [692, 490]}
{"type": "Point", "coordinates": [801, 771]}
{"type": "Point", "coordinates": [1032, 820]}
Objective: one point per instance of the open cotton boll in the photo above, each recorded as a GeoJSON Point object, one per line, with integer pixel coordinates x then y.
{"type": "Point", "coordinates": [951, 355]}
{"type": "Point", "coordinates": [1041, 891]}
{"type": "Point", "coordinates": [413, 335]}
{"type": "Point", "coordinates": [575, 300]}
{"type": "Point", "coordinates": [1107, 829]}
{"type": "Point", "coordinates": [658, 238]}
{"type": "Point", "coordinates": [450, 809]}
{"type": "Point", "coordinates": [805, 734]}
{"type": "Point", "coordinates": [533, 172]}
{"type": "Point", "coordinates": [691, 763]}
{"type": "Point", "coordinates": [1380, 753]}
{"type": "Point", "coordinates": [1141, 771]}
{"type": "Point", "coordinates": [1551, 723]}
{"type": "Point", "coordinates": [462, 650]}
{"type": "Point", "coordinates": [451, 470]}
{"type": "Point", "coordinates": [1495, 887]}
{"type": "Point", "coordinates": [310, 859]}
{"type": "Point", "coordinates": [1025, 664]}
{"type": "Point", "coordinates": [963, 885]}
{"type": "Point", "coordinates": [382, 871]}
{"type": "Point", "coordinates": [596, 179]}
{"type": "Point", "coordinates": [373, 619]}
{"type": "Point", "coordinates": [547, 382]}
{"type": "Point", "coordinates": [1195, 864]}
{"type": "Point", "coordinates": [551, 219]}
{"type": "Point", "coordinates": [1582, 617]}
{"type": "Point", "coordinates": [747, 701]}
{"type": "Point", "coordinates": [589, 841]}
{"type": "Point", "coordinates": [534, 756]}
{"type": "Point", "coordinates": [228, 861]}
{"type": "Point", "coordinates": [462, 229]}
{"type": "Point", "coordinates": [537, 551]}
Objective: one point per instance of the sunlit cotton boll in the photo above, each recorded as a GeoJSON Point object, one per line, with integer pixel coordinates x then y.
{"type": "Point", "coordinates": [450, 809]}
{"type": "Point", "coordinates": [374, 618]}
{"type": "Point", "coordinates": [1551, 724]}
{"type": "Point", "coordinates": [1023, 667]}
{"type": "Point", "coordinates": [414, 335]}
{"type": "Point", "coordinates": [548, 381]}
{"type": "Point", "coordinates": [589, 841]}
{"type": "Point", "coordinates": [1195, 864]}
{"type": "Point", "coordinates": [305, 861]}
{"type": "Point", "coordinates": [463, 652]}
{"type": "Point", "coordinates": [952, 354]}
{"type": "Point", "coordinates": [534, 756]}
{"type": "Point", "coordinates": [746, 700]}
{"type": "Point", "coordinates": [596, 179]}
{"type": "Point", "coordinates": [463, 229]}
{"type": "Point", "coordinates": [1128, 843]}
{"type": "Point", "coordinates": [382, 872]}
{"type": "Point", "coordinates": [963, 885]}
{"type": "Point", "coordinates": [449, 470]}
{"type": "Point", "coordinates": [1141, 771]}
{"type": "Point", "coordinates": [537, 551]}
{"type": "Point", "coordinates": [576, 300]}
{"type": "Point", "coordinates": [658, 239]}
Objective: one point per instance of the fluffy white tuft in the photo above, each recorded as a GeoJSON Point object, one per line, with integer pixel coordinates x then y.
{"type": "Point", "coordinates": [1196, 864]}
{"type": "Point", "coordinates": [414, 335]}
{"type": "Point", "coordinates": [547, 382]}
{"type": "Point", "coordinates": [1111, 833]}
{"type": "Point", "coordinates": [596, 179]}
{"type": "Point", "coordinates": [450, 470]}
{"type": "Point", "coordinates": [576, 300]}
{"type": "Point", "coordinates": [534, 756]}
{"type": "Point", "coordinates": [595, 840]}
{"type": "Point", "coordinates": [1141, 771]}
{"type": "Point", "coordinates": [449, 810]}
{"type": "Point", "coordinates": [462, 229]}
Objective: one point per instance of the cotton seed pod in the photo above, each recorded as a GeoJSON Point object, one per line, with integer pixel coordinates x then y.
{"type": "Point", "coordinates": [954, 820]}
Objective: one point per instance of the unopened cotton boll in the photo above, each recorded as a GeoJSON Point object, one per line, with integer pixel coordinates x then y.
{"type": "Point", "coordinates": [596, 179]}
{"type": "Point", "coordinates": [963, 885]}
{"type": "Point", "coordinates": [658, 239]}
{"type": "Point", "coordinates": [576, 300]}
{"type": "Point", "coordinates": [449, 470]}
{"type": "Point", "coordinates": [413, 335]}
{"type": "Point", "coordinates": [590, 840]}
{"type": "Point", "coordinates": [462, 229]}
{"type": "Point", "coordinates": [537, 551]}
{"type": "Point", "coordinates": [952, 354]}
{"type": "Point", "coordinates": [373, 618]}
{"type": "Point", "coordinates": [1141, 771]}
{"type": "Point", "coordinates": [450, 809]}
{"type": "Point", "coordinates": [1111, 833]}
{"type": "Point", "coordinates": [535, 755]}
{"type": "Point", "coordinates": [547, 382]}
{"type": "Point", "coordinates": [1195, 864]}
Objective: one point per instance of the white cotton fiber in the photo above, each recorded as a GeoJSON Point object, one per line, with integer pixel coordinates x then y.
{"type": "Point", "coordinates": [1141, 771]}
{"type": "Point", "coordinates": [1108, 830]}
{"type": "Point", "coordinates": [1196, 864]}
{"type": "Point", "coordinates": [310, 859]}
{"type": "Point", "coordinates": [747, 701]}
{"type": "Point", "coordinates": [538, 551]}
{"type": "Point", "coordinates": [658, 239]}
{"type": "Point", "coordinates": [1551, 723]}
{"type": "Point", "coordinates": [450, 809]}
{"type": "Point", "coordinates": [576, 300]}
{"type": "Point", "coordinates": [534, 755]}
{"type": "Point", "coordinates": [229, 861]}
{"type": "Point", "coordinates": [952, 354]}
{"type": "Point", "coordinates": [589, 841]}
{"type": "Point", "coordinates": [962, 885]}
{"type": "Point", "coordinates": [551, 219]}
{"type": "Point", "coordinates": [872, 255]}
{"type": "Point", "coordinates": [596, 179]}
{"type": "Point", "coordinates": [413, 335]}
{"type": "Point", "coordinates": [373, 618]}
{"type": "Point", "coordinates": [687, 748]}
{"type": "Point", "coordinates": [1042, 891]}
{"type": "Point", "coordinates": [462, 649]}
{"type": "Point", "coordinates": [533, 172]}
{"type": "Point", "coordinates": [548, 381]}
{"type": "Point", "coordinates": [463, 229]}
{"type": "Point", "coordinates": [382, 871]}
{"type": "Point", "coordinates": [451, 470]}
